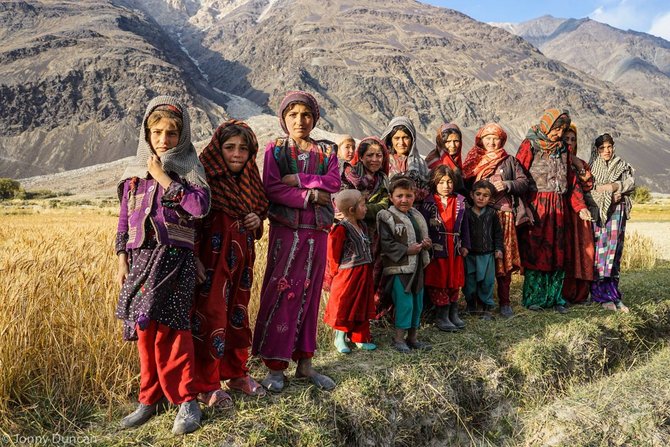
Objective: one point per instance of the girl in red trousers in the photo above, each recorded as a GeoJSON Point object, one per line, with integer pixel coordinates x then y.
{"type": "Point", "coordinates": [227, 253]}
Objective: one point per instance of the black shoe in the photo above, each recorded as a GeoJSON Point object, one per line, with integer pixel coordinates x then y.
{"type": "Point", "coordinates": [453, 316]}
{"type": "Point", "coordinates": [144, 412]}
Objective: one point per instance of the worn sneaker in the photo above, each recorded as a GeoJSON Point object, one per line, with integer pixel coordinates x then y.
{"type": "Point", "coordinates": [188, 418]}
{"type": "Point", "coordinates": [506, 311]}
{"type": "Point", "coordinates": [144, 412]}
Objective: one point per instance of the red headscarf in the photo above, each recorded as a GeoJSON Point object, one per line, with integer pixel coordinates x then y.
{"type": "Point", "coordinates": [480, 163]}
{"type": "Point", "coordinates": [360, 151]}
{"type": "Point", "coordinates": [235, 195]}
{"type": "Point", "coordinates": [439, 155]}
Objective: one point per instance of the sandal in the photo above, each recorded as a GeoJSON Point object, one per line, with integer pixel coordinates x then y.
{"type": "Point", "coordinates": [247, 385]}
{"type": "Point", "coordinates": [400, 346]}
{"type": "Point", "coordinates": [319, 380]}
{"type": "Point", "coordinates": [609, 306]}
{"type": "Point", "coordinates": [218, 399]}
{"type": "Point", "coordinates": [419, 345]}
{"type": "Point", "coordinates": [621, 307]}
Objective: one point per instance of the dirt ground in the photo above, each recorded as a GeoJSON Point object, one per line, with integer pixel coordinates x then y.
{"type": "Point", "coordinates": [659, 232]}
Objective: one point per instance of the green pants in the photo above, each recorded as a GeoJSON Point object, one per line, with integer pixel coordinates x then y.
{"type": "Point", "coordinates": [408, 306]}
{"type": "Point", "coordinates": [480, 278]}
{"type": "Point", "coordinates": [543, 289]}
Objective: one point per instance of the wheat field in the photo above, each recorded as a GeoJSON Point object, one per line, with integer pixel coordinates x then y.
{"type": "Point", "coordinates": [63, 365]}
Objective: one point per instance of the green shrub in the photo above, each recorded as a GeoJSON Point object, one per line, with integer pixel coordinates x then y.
{"type": "Point", "coordinates": [642, 194]}
{"type": "Point", "coordinates": [8, 188]}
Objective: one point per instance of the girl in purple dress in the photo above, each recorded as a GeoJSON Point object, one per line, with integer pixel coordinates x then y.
{"type": "Point", "coordinates": [299, 176]}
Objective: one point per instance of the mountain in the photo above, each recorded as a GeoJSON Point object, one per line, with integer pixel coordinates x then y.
{"type": "Point", "coordinates": [365, 61]}
{"type": "Point", "coordinates": [636, 62]}
{"type": "Point", "coordinates": [75, 78]}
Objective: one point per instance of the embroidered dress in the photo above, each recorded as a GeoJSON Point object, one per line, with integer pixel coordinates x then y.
{"type": "Point", "coordinates": [290, 296]}
{"type": "Point", "coordinates": [351, 303]}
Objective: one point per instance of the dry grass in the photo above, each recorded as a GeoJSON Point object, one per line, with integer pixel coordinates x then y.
{"type": "Point", "coordinates": [639, 252]}
{"type": "Point", "coordinates": [64, 368]}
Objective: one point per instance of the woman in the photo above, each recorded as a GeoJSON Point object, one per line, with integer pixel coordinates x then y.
{"type": "Point", "coordinates": [553, 188]}
{"type": "Point", "coordinates": [299, 176]}
{"type": "Point", "coordinates": [400, 138]}
{"type": "Point", "coordinates": [614, 184]}
{"type": "Point", "coordinates": [368, 174]}
{"type": "Point", "coordinates": [488, 160]}
{"type": "Point", "coordinates": [447, 152]}
{"type": "Point", "coordinates": [579, 241]}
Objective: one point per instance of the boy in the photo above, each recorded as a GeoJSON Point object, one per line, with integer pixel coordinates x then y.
{"type": "Point", "coordinates": [403, 234]}
{"type": "Point", "coordinates": [486, 241]}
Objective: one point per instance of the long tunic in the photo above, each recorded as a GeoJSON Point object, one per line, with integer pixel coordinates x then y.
{"type": "Point", "coordinates": [221, 318]}
{"type": "Point", "coordinates": [296, 260]}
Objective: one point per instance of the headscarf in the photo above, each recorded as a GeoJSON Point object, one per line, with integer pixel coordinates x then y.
{"type": "Point", "coordinates": [573, 129]}
{"type": "Point", "coordinates": [440, 155]}
{"type": "Point", "coordinates": [538, 134]}
{"type": "Point", "coordinates": [300, 96]}
{"type": "Point", "coordinates": [414, 161]}
{"type": "Point", "coordinates": [479, 163]}
{"type": "Point", "coordinates": [235, 194]}
{"type": "Point", "coordinates": [355, 173]}
{"type": "Point", "coordinates": [605, 172]}
{"type": "Point", "coordinates": [182, 159]}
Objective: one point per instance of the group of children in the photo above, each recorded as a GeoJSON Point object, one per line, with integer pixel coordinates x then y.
{"type": "Point", "coordinates": [402, 227]}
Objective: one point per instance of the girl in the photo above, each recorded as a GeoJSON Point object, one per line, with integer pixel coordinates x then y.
{"type": "Point", "coordinates": [579, 249]}
{"type": "Point", "coordinates": [161, 192]}
{"type": "Point", "coordinates": [227, 253]}
{"type": "Point", "coordinates": [400, 138]}
{"type": "Point", "coordinates": [488, 160]}
{"type": "Point", "coordinates": [444, 211]}
{"type": "Point", "coordinates": [368, 173]}
{"type": "Point", "coordinates": [614, 183]}
{"type": "Point", "coordinates": [299, 175]}
{"type": "Point", "coordinates": [345, 151]}
{"type": "Point", "coordinates": [544, 154]}
{"type": "Point", "coordinates": [351, 303]}
{"type": "Point", "coordinates": [447, 152]}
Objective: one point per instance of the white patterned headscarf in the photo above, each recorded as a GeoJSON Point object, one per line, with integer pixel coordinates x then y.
{"type": "Point", "coordinates": [605, 172]}
{"type": "Point", "coordinates": [182, 159]}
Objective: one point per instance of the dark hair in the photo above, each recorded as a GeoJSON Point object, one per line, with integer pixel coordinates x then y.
{"type": "Point", "coordinates": [246, 134]}
{"type": "Point", "coordinates": [364, 145]}
{"type": "Point", "coordinates": [604, 138]}
{"type": "Point", "coordinates": [484, 184]}
{"type": "Point", "coordinates": [292, 104]}
{"type": "Point", "coordinates": [451, 130]}
{"type": "Point", "coordinates": [437, 174]}
{"type": "Point", "coordinates": [561, 121]}
{"type": "Point", "coordinates": [389, 138]}
{"type": "Point", "coordinates": [401, 181]}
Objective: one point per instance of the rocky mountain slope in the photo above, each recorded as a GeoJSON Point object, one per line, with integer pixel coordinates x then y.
{"type": "Point", "coordinates": [636, 62]}
{"type": "Point", "coordinates": [366, 61]}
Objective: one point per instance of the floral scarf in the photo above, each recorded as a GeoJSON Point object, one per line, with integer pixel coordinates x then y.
{"type": "Point", "coordinates": [355, 174]}
{"type": "Point", "coordinates": [479, 163]}
{"type": "Point", "coordinates": [537, 135]}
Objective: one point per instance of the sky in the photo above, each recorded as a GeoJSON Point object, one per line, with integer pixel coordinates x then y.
{"type": "Point", "coordinates": [649, 16]}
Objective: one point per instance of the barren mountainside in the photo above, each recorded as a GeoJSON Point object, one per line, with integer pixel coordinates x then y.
{"type": "Point", "coordinates": [365, 61]}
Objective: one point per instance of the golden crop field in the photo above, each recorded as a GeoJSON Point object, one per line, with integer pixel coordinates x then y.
{"type": "Point", "coordinates": [63, 365]}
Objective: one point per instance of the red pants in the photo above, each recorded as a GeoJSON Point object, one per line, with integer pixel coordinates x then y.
{"type": "Point", "coordinates": [504, 283]}
{"type": "Point", "coordinates": [166, 364]}
{"type": "Point", "coordinates": [281, 365]}
{"type": "Point", "coordinates": [211, 371]}
{"type": "Point", "coordinates": [443, 297]}
{"type": "Point", "coordinates": [576, 290]}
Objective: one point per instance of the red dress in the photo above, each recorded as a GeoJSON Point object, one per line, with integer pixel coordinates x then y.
{"type": "Point", "coordinates": [446, 273]}
{"type": "Point", "coordinates": [351, 304]}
